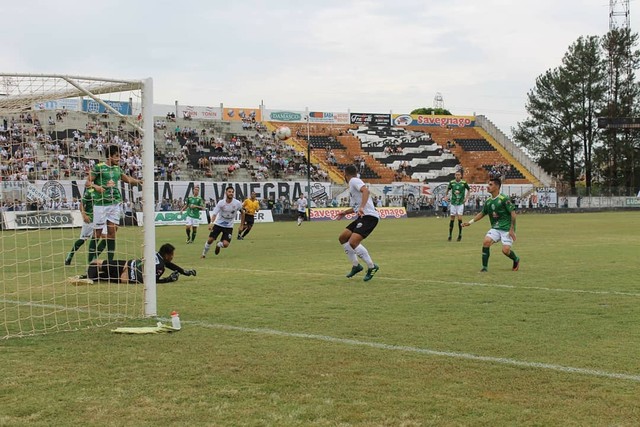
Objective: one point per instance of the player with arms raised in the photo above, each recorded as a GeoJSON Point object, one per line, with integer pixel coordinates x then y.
{"type": "Point", "coordinates": [502, 213]}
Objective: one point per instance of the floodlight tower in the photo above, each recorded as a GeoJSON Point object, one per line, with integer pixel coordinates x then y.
{"type": "Point", "coordinates": [619, 14]}
{"type": "Point", "coordinates": [619, 21]}
{"type": "Point", "coordinates": [620, 80]}
{"type": "Point", "coordinates": [438, 101]}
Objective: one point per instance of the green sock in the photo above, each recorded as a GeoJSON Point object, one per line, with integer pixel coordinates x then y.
{"type": "Point", "coordinates": [450, 227]}
{"type": "Point", "coordinates": [92, 250]}
{"type": "Point", "coordinates": [76, 246]}
{"type": "Point", "coordinates": [193, 234]}
{"type": "Point", "coordinates": [111, 249]}
{"type": "Point", "coordinates": [101, 246]}
{"type": "Point", "coordinates": [512, 255]}
{"type": "Point", "coordinates": [188, 234]}
{"type": "Point", "coordinates": [459, 227]}
{"type": "Point", "coordinates": [485, 257]}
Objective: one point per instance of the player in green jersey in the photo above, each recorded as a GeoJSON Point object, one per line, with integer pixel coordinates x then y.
{"type": "Point", "coordinates": [104, 179]}
{"type": "Point", "coordinates": [86, 210]}
{"type": "Point", "coordinates": [459, 195]}
{"type": "Point", "coordinates": [502, 213]}
{"type": "Point", "coordinates": [193, 206]}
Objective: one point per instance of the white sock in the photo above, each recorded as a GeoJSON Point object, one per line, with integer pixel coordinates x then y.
{"type": "Point", "coordinates": [220, 245]}
{"type": "Point", "coordinates": [363, 253]}
{"type": "Point", "coordinates": [206, 248]}
{"type": "Point", "coordinates": [351, 254]}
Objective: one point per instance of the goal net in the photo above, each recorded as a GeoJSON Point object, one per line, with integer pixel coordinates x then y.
{"type": "Point", "coordinates": [54, 130]}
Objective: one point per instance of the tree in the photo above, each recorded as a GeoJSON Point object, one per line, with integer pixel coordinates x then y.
{"type": "Point", "coordinates": [585, 70]}
{"type": "Point", "coordinates": [429, 111]}
{"type": "Point", "coordinates": [548, 134]}
{"type": "Point", "coordinates": [563, 106]}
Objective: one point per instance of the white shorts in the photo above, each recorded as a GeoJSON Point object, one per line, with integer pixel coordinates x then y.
{"type": "Point", "coordinates": [456, 210]}
{"type": "Point", "coordinates": [87, 230]}
{"type": "Point", "coordinates": [500, 236]}
{"type": "Point", "coordinates": [104, 214]}
{"type": "Point", "coordinates": [192, 222]}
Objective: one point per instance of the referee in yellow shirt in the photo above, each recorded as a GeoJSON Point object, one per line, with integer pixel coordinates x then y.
{"type": "Point", "coordinates": [249, 208]}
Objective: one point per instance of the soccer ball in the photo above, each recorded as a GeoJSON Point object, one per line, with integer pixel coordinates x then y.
{"type": "Point", "coordinates": [283, 133]}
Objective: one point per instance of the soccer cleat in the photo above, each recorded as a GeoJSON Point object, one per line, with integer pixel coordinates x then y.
{"type": "Point", "coordinates": [355, 270]}
{"type": "Point", "coordinates": [459, 238]}
{"type": "Point", "coordinates": [189, 242]}
{"type": "Point", "coordinates": [67, 261]}
{"type": "Point", "coordinates": [449, 239]}
{"type": "Point", "coordinates": [371, 272]}
{"type": "Point", "coordinates": [484, 270]}
{"type": "Point", "coordinates": [217, 250]}
{"type": "Point", "coordinates": [240, 238]}
{"type": "Point", "coordinates": [202, 256]}
{"type": "Point", "coordinates": [516, 264]}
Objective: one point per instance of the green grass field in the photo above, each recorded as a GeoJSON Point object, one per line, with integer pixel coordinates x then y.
{"type": "Point", "coordinates": [275, 335]}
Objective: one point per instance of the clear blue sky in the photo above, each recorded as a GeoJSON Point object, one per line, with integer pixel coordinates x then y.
{"type": "Point", "coordinates": [483, 56]}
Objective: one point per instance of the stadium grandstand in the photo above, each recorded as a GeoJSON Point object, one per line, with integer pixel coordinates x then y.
{"type": "Point", "coordinates": [41, 144]}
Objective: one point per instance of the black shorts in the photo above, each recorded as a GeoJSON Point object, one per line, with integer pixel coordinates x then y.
{"type": "Point", "coordinates": [108, 270]}
{"type": "Point", "coordinates": [249, 220]}
{"type": "Point", "coordinates": [302, 215]}
{"type": "Point", "coordinates": [227, 233]}
{"type": "Point", "coordinates": [136, 268]}
{"type": "Point", "coordinates": [363, 225]}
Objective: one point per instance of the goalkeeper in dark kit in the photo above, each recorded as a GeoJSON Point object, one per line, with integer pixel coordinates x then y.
{"type": "Point", "coordinates": [130, 271]}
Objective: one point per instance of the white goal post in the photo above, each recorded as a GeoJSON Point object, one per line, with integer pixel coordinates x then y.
{"type": "Point", "coordinates": [53, 128]}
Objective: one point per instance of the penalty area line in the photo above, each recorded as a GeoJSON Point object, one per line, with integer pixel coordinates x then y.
{"type": "Point", "coordinates": [426, 351]}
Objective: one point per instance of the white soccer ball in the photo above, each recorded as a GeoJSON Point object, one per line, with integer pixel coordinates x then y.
{"type": "Point", "coordinates": [283, 133]}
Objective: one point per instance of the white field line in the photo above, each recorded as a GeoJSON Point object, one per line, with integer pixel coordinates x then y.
{"type": "Point", "coordinates": [444, 282]}
{"type": "Point", "coordinates": [466, 356]}
{"type": "Point", "coordinates": [352, 342]}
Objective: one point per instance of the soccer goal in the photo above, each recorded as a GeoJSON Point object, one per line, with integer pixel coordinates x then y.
{"type": "Point", "coordinates": [53, 130]}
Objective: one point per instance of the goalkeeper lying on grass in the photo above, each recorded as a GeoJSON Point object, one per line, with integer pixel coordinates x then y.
{"type": "Point", "coordinates": [130, 271]}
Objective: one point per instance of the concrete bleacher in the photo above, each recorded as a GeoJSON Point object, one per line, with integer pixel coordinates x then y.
{"type": "Point", "coordinates": [413, 152]}
{"type": "Point", "coordinates": [475, 151]}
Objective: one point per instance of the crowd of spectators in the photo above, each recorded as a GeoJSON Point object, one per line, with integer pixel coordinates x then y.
{"type": "Point", "coordinates": [499, 170]}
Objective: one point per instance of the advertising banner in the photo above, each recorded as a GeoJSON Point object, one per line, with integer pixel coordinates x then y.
{"type": "Point", "coordinates": [285, 116]}
{"type": "Point", "coordinates": [199, 113]}
{"type": "Point", "coordinates": [73, 189]}
{"type": "Point", "coordinates": [177, 218]}
{"type": "Point", "coordinates": [240, 114]}
{"type": "Point", "coordinates": [328, 214]}
{"type": "Point", "coordinates": [433, 120]}
{"type": "Point", "coordinates": [373, 119]}
{"type": "Point", "coordinates": [31, 220]}
{"type": "Point", "coordinates": [72, 104]}
{"type": "Point", "coordinates": [91, 106]}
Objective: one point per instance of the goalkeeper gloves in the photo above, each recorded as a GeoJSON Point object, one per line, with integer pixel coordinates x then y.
{"type": "Point", "coordinates": [190, 272]}
{"type": "Point", "coordinates": [173, 277]}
